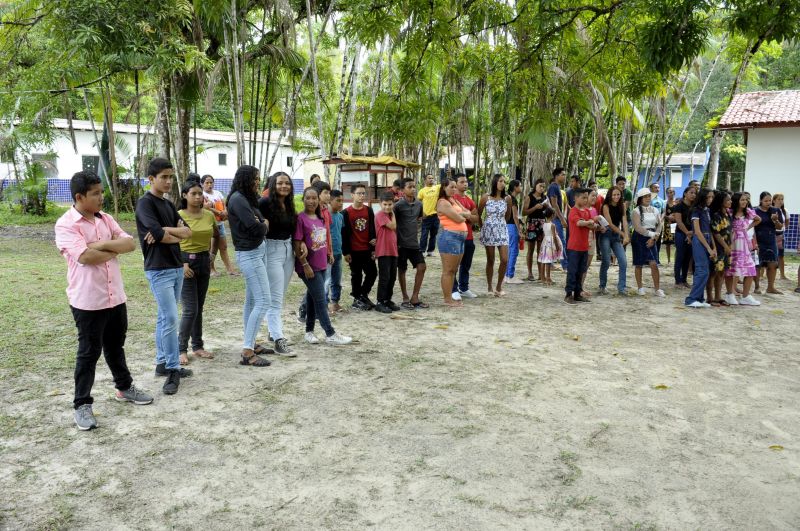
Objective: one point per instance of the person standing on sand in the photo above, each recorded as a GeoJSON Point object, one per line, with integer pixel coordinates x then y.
{"type": "Point", "coordinates": [408, 212]}
{"type": "Point", "coordinates": [534, 207]}
{"type": "Point", "coordinates": [743, 219]}
{"type": "Point", "coordinates": [386, 253]}
{"type": "Point", "coordinates": [646, 228]}
{"type": "Point", "coordinates": [428, 194]}
{"type": "Point", "coordinates": [557, 204]}
{"type": "Point", "coordinates": [90, 241]}
{"type": "Point", "coordinates": [614, 240]}
{"type": "Point", "coordinates": [514, 230]}
{"type": "Point", "coordinates": [494, 232]}
{"type": "Point", "coordinates": [461, 282]}
{"type": "Point", "coordinates": [215, 202]}
{"type": "Point", "coordinates": [681, 213]}
{"type": "Point", "coordinates": [161, 230]}
{"type": "Point", "coordinates": [358, 247]}
{"type": "Point", "coordinates": [452, 219]}
{"type": "Point", "coordinates": [580, 225]}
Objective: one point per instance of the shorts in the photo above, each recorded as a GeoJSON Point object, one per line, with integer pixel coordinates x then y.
{"type": "Point", "coordinates": [451, 242]}
{"type": "Point", "coordinates": [642, 254]}
{"type": "Point", "coordinates": [221, 227]}
{"type": "Point", "coordinates": [405, 255]}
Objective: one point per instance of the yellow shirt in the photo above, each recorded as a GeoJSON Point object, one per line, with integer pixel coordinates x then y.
{"type": "Point", "coordinates": [429, 195]}
{"type": "Point", "coordinates": [202, 231]}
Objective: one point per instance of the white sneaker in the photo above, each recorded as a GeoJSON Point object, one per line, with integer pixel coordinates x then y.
{"type": "Point", "coordinates": [311, 338]}
{"type": "Point", "coordinates": [456, 296]}
{"type": "Point", "coordinates": [696, 304]}
{"type": "Point", "coordinates": [642, 291]}
{"type": "Point", "coordinates": [660, 293]}
{"type": "Point", "coordinates": [730, 298]}
{"type": "Point", "coordinates": [749, 301]}
{"type": "Point", "coordinates": [338, 339]}
{"type": "Point", "coordinates": [468, 295]}
{"type": "Point", "coordinates": [513, 280]}
{"type": "Point", "coordinates": [705, 305]}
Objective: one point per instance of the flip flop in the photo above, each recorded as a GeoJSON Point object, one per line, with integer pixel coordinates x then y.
{"type": "Point", "coordinates": [407, 305]}
{"type": "Point", "coordinates": [419, 304]}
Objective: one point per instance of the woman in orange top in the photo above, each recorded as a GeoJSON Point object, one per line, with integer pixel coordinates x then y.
{"type": "Point", "coordinates": [215, 202]}
{"type": "Point", "coordinates": [452, 235]}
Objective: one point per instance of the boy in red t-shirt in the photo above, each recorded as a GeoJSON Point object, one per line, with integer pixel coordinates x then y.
{"type": "Point", "coordinates": [386, 251]}
{"type": "Point", "coordinates": [580, 223]}
{"type": "Point", "coordinates": [358, 247]}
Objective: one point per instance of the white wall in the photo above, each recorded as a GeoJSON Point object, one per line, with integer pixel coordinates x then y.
{"type": "Point", "coordinates": [773, 164]}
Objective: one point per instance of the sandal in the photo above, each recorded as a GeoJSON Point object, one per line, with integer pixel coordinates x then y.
{"type": "Point", "coordinates": [407, 305]}
{"type": "Point", "coordinates": [500, 293]}
{"type": "Point", "coordinates": [419, 304]}
{"type": "Point", "coordinates": [723, 303]}
{"type": "Point", "coordinates": [530, 278]}
{"type": "Point", "coordinates": [262, 350]}
{"type": "Point", "coordinates": [201, 353]}
{"type": "Point", "coordinates": [184, 358]}
{"type": "Point", "coordinates": [715, 304]}
{"type": "Point", "coordinates": [254, 361]}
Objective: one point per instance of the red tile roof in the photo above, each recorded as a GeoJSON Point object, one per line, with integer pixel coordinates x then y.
{"type": "Point", "coordinates": [763, 109]}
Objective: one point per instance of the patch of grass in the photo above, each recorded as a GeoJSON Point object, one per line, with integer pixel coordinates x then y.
{"type": "Point", "coordinates": [10, 216]}
{"type": "Point", "coordinates": [571, 471]}
{"type": "Point", "coordinates": [60, 519]}
{"type": "Point", "coordinates": [472, 500]}
{"type": "Point", "coordinates": [462, 432]}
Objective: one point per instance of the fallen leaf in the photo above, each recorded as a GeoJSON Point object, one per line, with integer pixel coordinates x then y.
{"type": "Point", "coordinates": [213, 290]}
{"type": "Point", "coordinates": [441, 327]}
{"type": "Point", "coordinates": [778, 312]}
{"type": "Point", "coordinates": [756, 322]}
{"type": "Point", "coordinates": [530, 341]}
{"type": "Point", "coordinates": [615, 353]}
{"type": "Point", "coordinates": [776, 447]}
{"type": "Point", "coordinates": [661, 387]}
{"type": "Point", "coordinates": [576, 338]}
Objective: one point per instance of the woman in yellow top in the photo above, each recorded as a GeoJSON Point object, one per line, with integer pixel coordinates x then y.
{"type": "Point", "coordinates": [452, 235]}
{"type": "Point", "coordinates": [196, 269]}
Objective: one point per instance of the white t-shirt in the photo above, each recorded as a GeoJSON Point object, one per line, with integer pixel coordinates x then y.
{"type": "Point", "coordinates": [214, 196]}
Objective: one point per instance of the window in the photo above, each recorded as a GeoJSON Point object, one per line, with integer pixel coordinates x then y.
{"type": "Point", "coordinates": [90, 163]}
{"type": "Point", "coordinates": [290, 161]}
{"type": "Point", "coordinates": [676, 178]}
{"type": "Point", "coordinates": [48, 163]}
{"type": "Point", "coordinates": [223, 159]}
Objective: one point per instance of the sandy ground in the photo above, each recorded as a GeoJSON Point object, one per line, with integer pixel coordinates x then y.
{"type": "Point", "coordinates": [521, 413]}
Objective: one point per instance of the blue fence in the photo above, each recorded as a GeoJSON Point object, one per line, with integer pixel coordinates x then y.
{"type": "Point", "coordinates": [58, 189]}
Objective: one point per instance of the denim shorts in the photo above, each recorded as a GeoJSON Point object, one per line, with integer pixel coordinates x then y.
{"type": "Point", "coordinates": [451, 242]}
{"type": "Point", "coordinates": [221, 227]}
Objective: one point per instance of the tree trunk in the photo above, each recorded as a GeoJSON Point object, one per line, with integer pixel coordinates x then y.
{"type": "Point", "coordinates": [164, 103]}
{"type": "Point", "coordinates": [338, 139]}
{"type": "Point", "coordinates": [313, 57]}
{"type": "Point", "coordinates": [108, 116]}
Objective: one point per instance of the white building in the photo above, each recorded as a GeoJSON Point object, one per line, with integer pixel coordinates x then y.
{"type": "Point", "coordinates": [216, 155]}
{"type": "Point", "coordinates": [770, 121]}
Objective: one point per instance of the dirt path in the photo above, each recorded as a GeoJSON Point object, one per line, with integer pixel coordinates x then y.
{"type": "Point", "coordinates": [629, 413]}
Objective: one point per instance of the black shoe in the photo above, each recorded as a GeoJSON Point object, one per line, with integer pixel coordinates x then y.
{"type": "Point", "coordinates": [358, 304]}
{"type": "Point", "coordinates": [381, 307]}
{"type": "Point", "coordinates": [582, 299]}
{"type": "Point", "coordinates": [161, 370]}
{"type": "Point", "coordinates": [282, 348]}
{"type": "Point", "coordinates": [394, 307]}
{"type": "Point", "coordinates": [172, 383]}
{"type": "Point", "coordinates": [368, 302]}
{"type": "Point", "coordinates": [570, 300]}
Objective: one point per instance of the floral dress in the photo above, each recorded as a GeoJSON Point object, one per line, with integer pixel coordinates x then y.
{"type": "Point", "coordinates": [548, 254]}
{"type": "Point", "coordinates": [494, 232]}
{"type": "Point", "coordinates": [741, 261]}
{"type": "Point", "coordinates": [721, 226]}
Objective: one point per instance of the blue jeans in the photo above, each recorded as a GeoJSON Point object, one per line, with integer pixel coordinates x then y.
{"type": "Point", "coordinates": [427, 238]}
{"type": "Point", "coordinates": [701, 270]}
{"type": "Point", "coordinates": [166, 285]}
{"type": "Point", "coordinates": [280, 263]}
{"type": "Point", "coordinates": [611, 242]}
{"type": "Point", "coordinates": [253, 265]}
{"type": "Point", "coordinates": [513, 249]}
{"type": "Point", "coordinates": [578, 260]}
{"type": "Point", "coordinates": [560, 232]}
{"type": "Point", "coordinates": [316, 307]}
{"type": "Point", "coordinates": [452, 242]}
{"type": "Point", "coordinates": [335, 279]}
{"type": "Point", "coordinates": [461, 281]}
{"type": "Point", "coordinates": [683, 256]}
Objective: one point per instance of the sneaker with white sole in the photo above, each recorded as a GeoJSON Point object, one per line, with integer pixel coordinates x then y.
{"type": "Point", "coordinates": [749, 301]}
{"type": "Point", "coordinates": [642, 291]}
{"type": "Point", "coordinates": [512, 280]}
{"type": "Point", "coordinates": [132, 394]}
{"type": "Point", "coordinates": [695, 304]}
{"type": "Point", "coordinates": [706, 305]}
{"type": "Point", "coordinates": [84, 418]}
{"type": "Point", "coordinates": [468, 295]}
{"type": "Point", "coordinates": [338, 339]}
{"type": "Point", "coordinates": [730, 298]}
{"type": "Point", "coordinates": [311, 338]}
{"type": "Point", "coordinates": [660, 293]}
{"type": "Point", "coordinates": [282, 348]}
{"type": "Point", "coordinates": [456, 296]}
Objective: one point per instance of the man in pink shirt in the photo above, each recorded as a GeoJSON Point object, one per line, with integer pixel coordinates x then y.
{"type": "Point", "coordinates": [90, 241]}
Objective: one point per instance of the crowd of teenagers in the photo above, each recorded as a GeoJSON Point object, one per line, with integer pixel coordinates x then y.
{"type": "Point", "coordinates": [717, 235]}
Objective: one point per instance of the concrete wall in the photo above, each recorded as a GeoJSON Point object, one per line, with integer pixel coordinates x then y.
{"type": "Point", "coordinates": [773, 164]}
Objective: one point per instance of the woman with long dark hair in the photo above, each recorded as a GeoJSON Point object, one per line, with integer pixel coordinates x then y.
{"type": "Point", "coordinates": [767, 239]}
{"type": "Point", "coordinates": [614, 240]}
{"type": "Point", "coordinates": [514, 230]}
{"type": "Point", "coordinates": [704, 249]}
{"type": "Point", "coordinates": [248, 229]}
{"type": "Point", "coordinates": [534, 207]}
{"type": "Point", "coordinates": [494, 232]}
{"type": "Point", "coordinates": [721, 232]}
{"type": "Point", "coordinates": [278, 209]}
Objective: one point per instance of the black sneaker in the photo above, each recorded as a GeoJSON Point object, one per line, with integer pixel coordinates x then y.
{"type": "Point", "coordinates": [161, 370]}
{"type": "Point", "coordinates": [570, 300]}
{"type": "Point", "coordinates": [394, 307]}
{"type": "Point", "coordinates": [282, 348]}
{"type": "Point", "coordinates": [381, 307]}
{"type": "Point", "coordinates": [368, 302]}
{"type": "Point", "coordinates": [582, 299]}
{"type": "Point", "coordinates": [360, 305]}
{"type": "Point", "coordinates": [172, 383]}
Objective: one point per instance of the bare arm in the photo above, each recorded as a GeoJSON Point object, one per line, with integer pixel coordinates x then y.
{"type": "Point", "coordinates": [116, 245]}
{"type": "Point", "coordinates": [94, 257]}
{"type": "Point", "coordinates": [559, 214]}
{"type": "Point", "coordinates": [481, 207]}
{"type": "Point", "coordinates": [607, 215]}
{"type": "Point", "coordinates": [699, 234]}
{"type": "Point", "coordinates": [445, 207]}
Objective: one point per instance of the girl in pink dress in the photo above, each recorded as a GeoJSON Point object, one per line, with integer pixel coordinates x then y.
{"type": "Point", "coordinates": [742, 264]}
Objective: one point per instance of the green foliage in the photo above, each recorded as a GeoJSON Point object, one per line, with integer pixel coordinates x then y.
{"type": "Point", "coordinates": [677, 32]}
{"type": "Point", "coordinates": [29, 194]}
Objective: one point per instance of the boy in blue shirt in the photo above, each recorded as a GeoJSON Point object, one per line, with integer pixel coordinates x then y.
{"type": "Point", "coordinates": [335, 269]}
